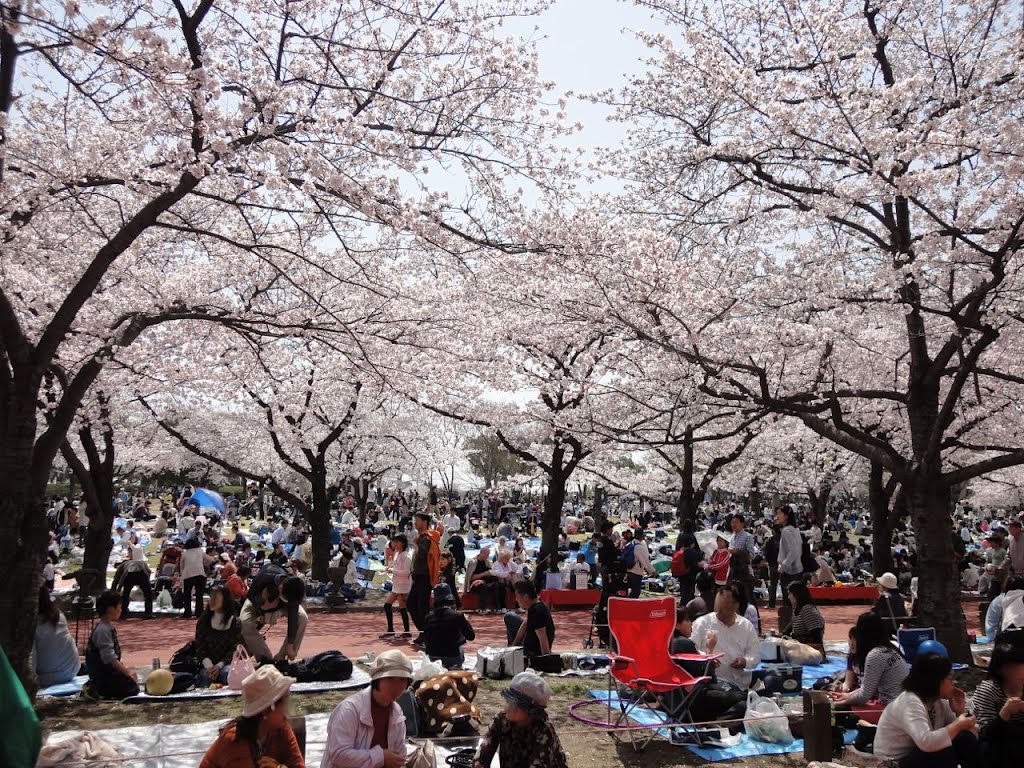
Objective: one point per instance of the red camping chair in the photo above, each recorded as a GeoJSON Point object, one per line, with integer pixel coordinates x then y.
{"type": "Point", "coordinates": [643, 630]}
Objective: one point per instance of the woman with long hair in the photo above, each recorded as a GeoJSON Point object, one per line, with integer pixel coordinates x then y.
{"type": "Point", "coordinates": [218, 633]}
{"type": "Point", "coordinates": [262, 736]}
{"type": "Point", "coordinates": [884, 667]}
{"type": "Point", "coordinates": [999, 706]}
{"type": "Point", "coordinates": [54, 650]}
{"type": "Point", "coordinates": [807, 624]}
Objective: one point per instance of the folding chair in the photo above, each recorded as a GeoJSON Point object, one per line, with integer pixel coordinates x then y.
{"type": "Point", "coordinates": [643, 630]}
{"type": "Point", "coordinates": [910, 640]}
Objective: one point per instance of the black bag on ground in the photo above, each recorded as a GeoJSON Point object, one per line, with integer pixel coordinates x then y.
{"type": "Point", "coordinates": [326, 667]}
{"type": "Point", "coordinates": [550, 663]}
{"type": "Point", "coordinates": [185, 659]}
{"type": "Point", "coordinates": [182, 682]}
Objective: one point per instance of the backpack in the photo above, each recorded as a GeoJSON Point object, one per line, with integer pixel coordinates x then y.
{"type": "Point", "coordinates": [808, 562]}
{"type": "Point", "coordinates": [628, 556]}
{"type": "Point", "coordinates": [679, 566]}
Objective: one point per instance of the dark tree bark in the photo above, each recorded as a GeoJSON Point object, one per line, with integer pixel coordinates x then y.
{"type": "Point", "coordinates": [883, 521]}
{"type": "Point", "coordinates": [96, 475]}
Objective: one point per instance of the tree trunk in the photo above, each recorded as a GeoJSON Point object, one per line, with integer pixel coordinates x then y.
{"type": "Point", "coordinates": [687, 503]}
{"type": "Point", "coordinates": [819, 498]}
{"type": "Point", "coordinates": [597, 512]}
{"type": "Point", "coordinates": [938, 602]}
{"type": "Point", "coordinates": [319, 519]}
{"type": "Point", "coordinates": [551, 523]}
{"type": "Point", "coordinates": [883, 522]}
{"type": "Point", "coordinates": [754, 499]}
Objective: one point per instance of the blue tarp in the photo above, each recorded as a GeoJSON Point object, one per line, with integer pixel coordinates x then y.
{"type": "Point", "coordinates": [209, 499]}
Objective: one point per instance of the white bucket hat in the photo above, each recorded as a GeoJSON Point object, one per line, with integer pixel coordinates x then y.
{"type": "Point", "coordinates": [887, 581]}
{"type": "Point", "coordinates": [262, 688]}
{"type": "Point", "coordinates": [391, 663]}
{"type": "Point", "coordinates": [529, 691]}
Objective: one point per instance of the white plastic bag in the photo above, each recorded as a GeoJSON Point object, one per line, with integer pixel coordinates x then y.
{"type": "Point", "coordinates": [765, 720]}
{"type": "Point", "coordinates": [771, 650]}
{"type": "Point", "coordinates": [163, 600]}
{"type": "Point", "coordinates": [427, 668]}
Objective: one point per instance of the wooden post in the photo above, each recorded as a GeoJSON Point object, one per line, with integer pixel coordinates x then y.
{"type": "Point", "coordinates": [817, 726]}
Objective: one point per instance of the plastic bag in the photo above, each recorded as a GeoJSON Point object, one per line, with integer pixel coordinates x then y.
{"type": "Point", "coordinates": [765, 721]}
{"type": "Point", "coordinates": [164, 601]}
{"type": "Point", "coordinates": [427, 668]}
{"type": "Point", "coordinates": [241, 668]}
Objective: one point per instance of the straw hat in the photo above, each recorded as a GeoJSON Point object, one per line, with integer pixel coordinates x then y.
{"type": "Point", "coordinates": [887, 581]}
{"type": "Point", "coordinates": [262, 688]}
{"type": "Point", "coordinates": [391, 663]}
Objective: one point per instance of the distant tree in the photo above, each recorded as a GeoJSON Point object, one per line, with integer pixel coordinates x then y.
{"type": "Point", "coordinates": [491, 461]}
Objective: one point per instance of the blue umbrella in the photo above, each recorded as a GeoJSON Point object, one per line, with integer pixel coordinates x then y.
{"type": "Point", "coordinates": [204, 498]}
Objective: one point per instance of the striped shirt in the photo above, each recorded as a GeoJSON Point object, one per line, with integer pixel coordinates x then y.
{"type": "Point", "coordinates": [807, 626]}
{"type": "Point", "coordinates": [884, 672]}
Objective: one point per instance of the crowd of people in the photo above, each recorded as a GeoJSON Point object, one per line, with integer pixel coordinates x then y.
{"type": "Point", "coordinates": [726, 566]}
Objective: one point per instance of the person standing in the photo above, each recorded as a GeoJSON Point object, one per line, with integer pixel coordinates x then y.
{"type": "Point", "coordinates": [426, 571]}
{"type": "Point", "coordinates": [1016, 555]}
{"type": "Point", "coordinates": [192, 567]}
{"type": "Point", "coordinates": [641, 562]}
{"type": "Point", "coordinates": [790, 556]}
{"type": "Point", "coordinates": [401, 583]}
{"type": "Point", "coordinates": [742, 551]}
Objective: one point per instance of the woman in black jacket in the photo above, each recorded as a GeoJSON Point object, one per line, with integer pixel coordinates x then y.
{"type": "Point", "coordinates": [218, 633]}
{"type": "Point", "coordinates": [446, 630]}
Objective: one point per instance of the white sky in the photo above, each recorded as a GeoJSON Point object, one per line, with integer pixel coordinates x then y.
{"type": "Point", "coordinates": [589, 45]}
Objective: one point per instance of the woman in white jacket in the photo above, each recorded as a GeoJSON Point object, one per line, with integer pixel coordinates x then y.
{"type": "Point", "coordinates": [353, 741]}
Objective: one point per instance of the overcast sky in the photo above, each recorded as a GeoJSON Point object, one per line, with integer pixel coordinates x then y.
{"type": "Point", "coordinates": [586, 46]}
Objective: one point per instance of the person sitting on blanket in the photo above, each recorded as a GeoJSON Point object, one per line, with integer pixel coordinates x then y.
{"type": "Point", "coordinates": [728, 633]}
{"type": "Point", "coordinates": [884, 667]}
{"type": "Point", "coordinates": [54, 652]}
{"type": "Point", "coordinates": [218, 633]}
{"type": "Point", "coordinates": [999, 706]}
{"type": "Point", "coordinates": [522, 736]}
{"type": "Point", "coordinates": [274, 594]}
{"type": "Point", "coordinates": [262, 736]}
{"type": "Point", "coordinates": [716, 701]}
{"type": "Point", "coordinates": [109, 678]}
{"type": "Point", "coordinates": [446, 630]}
{"type": "Point", "coordinates": [367, 730]}
{"type": "Point", "coordinates": [807, 624]}
{"type": "Point", "coordinates": [928, 724]}
{"type": "Point", "coordinates": [536, 633]}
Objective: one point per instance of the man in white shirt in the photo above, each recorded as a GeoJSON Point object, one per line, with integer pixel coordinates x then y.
{"type": "Point", "coordinates": [451, 521]}
{"type": "Point", "coordinates": [507, 572]}
{"type": "Point", "coordinates": [728, 633]}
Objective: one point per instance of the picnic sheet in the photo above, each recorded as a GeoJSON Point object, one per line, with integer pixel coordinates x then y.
{"type": "Point", "coordinates": [358, 679]}
{"type": "Point", "coordinates": [182, 746]}
{"type": "Point", "coordinates": [747, 747]}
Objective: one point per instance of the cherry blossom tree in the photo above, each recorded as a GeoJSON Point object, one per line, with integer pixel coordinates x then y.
{"type": "Point", "coordinates": [197, 161]}
{"type": "Point", "coordinates": [843, 179]}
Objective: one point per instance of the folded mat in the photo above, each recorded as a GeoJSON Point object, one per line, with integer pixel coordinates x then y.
{"type": "Point", "coordinates": [359, 679]}
{"type": "Point", "coordinates": [747, 747]}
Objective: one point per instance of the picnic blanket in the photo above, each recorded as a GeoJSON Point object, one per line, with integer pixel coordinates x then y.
{"type": "Point", "coordinates": [746, 747]}
{"type": "Point", "coordinates": [359, 679]}
{"type": "Point", "coordinates": [165, 745]}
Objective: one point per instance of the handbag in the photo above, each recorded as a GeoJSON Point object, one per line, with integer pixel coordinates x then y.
{"type": "Point", "coordinates": [800, 653]}
{"type": "Point", "coordinates": [500, 663]}
{"type": "Point", "coordinates": [241, 668]}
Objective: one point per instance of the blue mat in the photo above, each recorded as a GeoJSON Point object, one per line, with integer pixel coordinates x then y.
{"type": "Point", "coordinates": [834, 666]}
{"type": "Point", "coordinates": [747, 747]}
{"type": "Point", "coordinates": [65, 689]}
